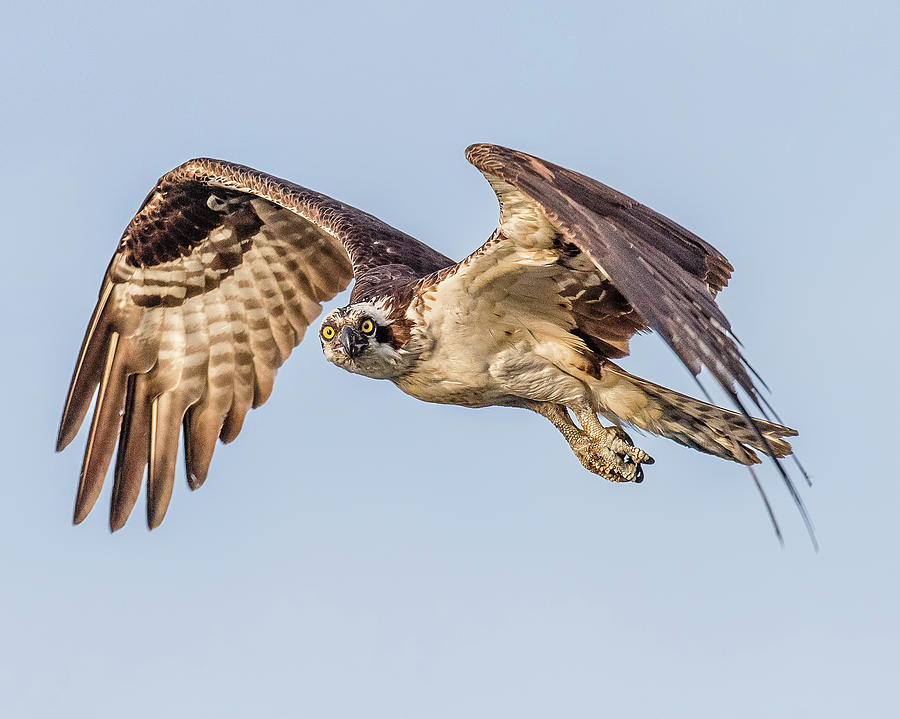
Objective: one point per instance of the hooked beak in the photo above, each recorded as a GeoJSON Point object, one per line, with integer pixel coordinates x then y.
{"type": "Point", "coordinates": [352, 343]}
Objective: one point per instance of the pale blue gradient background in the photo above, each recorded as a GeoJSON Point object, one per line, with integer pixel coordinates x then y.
{"type": "Point", "coordinates": [359, 554]}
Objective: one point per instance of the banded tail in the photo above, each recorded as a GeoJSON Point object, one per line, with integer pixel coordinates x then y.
{"type": "Point", "coordinates": [686, 420]}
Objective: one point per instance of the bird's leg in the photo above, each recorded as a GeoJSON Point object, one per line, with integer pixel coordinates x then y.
{"type": "Point", "coordinates": [607, 451]}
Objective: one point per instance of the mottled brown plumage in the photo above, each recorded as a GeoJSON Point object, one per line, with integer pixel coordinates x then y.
{"type": "Point", "coordinates": [214, 282]}
{"type": "Point", "coordinates": [223, 268]}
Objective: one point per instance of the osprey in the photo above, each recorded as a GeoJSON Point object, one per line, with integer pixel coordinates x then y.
{"type": "Point", "coordinates": [223, 269]}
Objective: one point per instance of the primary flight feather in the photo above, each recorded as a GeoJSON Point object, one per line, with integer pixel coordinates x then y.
{"type": "Point", "coordinates": [223, 269]}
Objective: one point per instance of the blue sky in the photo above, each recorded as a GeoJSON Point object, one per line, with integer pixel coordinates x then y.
{"type": "Point", "coordinates": [473, 568]}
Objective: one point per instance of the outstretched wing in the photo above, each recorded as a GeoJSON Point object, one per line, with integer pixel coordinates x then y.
{"type": "Point", "coordinates": [666, 273]}
{"type": "Point", "coordinates": [629, 268]}
{"type": "Point", "coordinates": [214, 282]}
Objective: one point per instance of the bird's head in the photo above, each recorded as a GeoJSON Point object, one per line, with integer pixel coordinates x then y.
{"type": "Point", "coordinates": [359, 338]}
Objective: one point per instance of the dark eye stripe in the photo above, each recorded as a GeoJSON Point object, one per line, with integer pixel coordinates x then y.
{"type": "Point", "coordinates": [383, 334]}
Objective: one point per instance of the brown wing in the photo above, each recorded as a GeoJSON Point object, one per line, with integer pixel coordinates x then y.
{"type": "Point", "coordinates": [664, 272]}
{"type": "Point", "coordinates": [214, 282]}
{"type": "Point", "coordinates": [669, 275]}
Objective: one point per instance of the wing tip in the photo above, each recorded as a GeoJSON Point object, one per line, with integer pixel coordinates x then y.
{"type": "Point", "coordinates": [121, 506]}
{"type": "Point", "coordinates": [83, 507]}
{"type": "Point", "coordinates": [62, 440]}
{"type": "Point", "coordinates": [195, 479]}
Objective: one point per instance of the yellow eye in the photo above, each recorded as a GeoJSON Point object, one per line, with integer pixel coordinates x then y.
{"type": "Point", "coordinates": [327, 332]}
{"type": "Point", "coordinates": [367, 327]}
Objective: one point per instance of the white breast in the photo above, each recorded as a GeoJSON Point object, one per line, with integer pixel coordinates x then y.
{"type": "Point", "coordinates": [497, 333]}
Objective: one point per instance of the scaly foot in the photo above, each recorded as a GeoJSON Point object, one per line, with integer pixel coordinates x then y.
{"type": "Point", "coordinates": [611, 454]}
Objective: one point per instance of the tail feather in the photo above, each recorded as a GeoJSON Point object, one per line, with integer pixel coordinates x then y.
{"type": "Point", "coordinates": [686, 420]}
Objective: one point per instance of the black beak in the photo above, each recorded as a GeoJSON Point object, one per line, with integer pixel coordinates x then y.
{"type": "Point", "coordinates": [352, 342]}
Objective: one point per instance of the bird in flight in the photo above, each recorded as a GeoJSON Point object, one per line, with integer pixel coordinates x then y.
{"type": "Point", "coordinates": [223, 269]}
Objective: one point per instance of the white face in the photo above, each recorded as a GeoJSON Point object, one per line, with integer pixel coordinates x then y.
{"type": "Point", "coordinates": [358, 339]}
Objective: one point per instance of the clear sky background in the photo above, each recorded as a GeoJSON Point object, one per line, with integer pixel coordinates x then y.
{"type": "Point", "coordinates": [357, 553]}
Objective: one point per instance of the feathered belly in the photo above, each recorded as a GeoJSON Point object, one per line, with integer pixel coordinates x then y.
{"type": "Point", "coordinates": [474, 375]}
{"type": "Point", "coordinates": [455, 374]}
{"type": "Point", "coordinates": [496, 346]}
